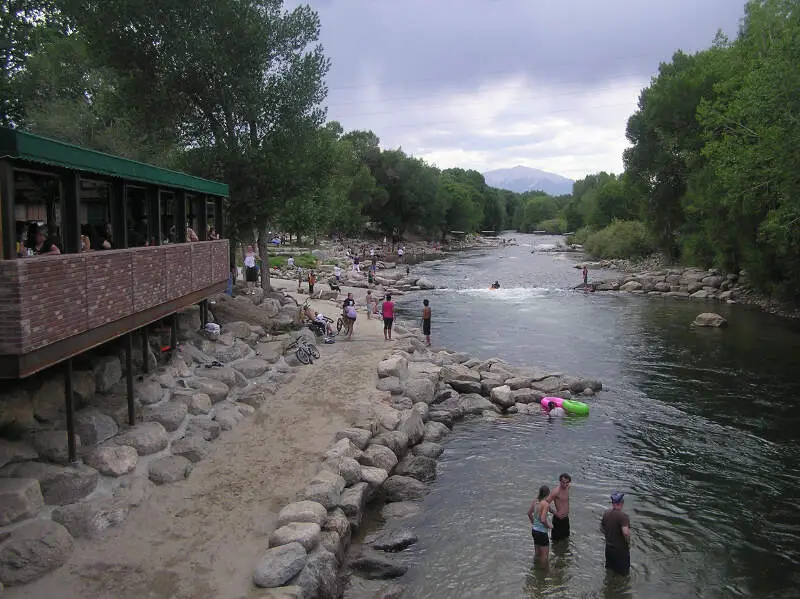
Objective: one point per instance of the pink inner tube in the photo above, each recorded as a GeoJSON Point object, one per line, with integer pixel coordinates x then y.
{"type": "Point", "coordinates": [556, 400]}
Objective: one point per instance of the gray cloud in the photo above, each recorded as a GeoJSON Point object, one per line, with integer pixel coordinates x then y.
{"type": "Point", "coordinates": [546, 82]}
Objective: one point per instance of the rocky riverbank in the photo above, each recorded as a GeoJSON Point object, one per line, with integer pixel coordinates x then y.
{"type": "Point", "coordinates": [225, 460]}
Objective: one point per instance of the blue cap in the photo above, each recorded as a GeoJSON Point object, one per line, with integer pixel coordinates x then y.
{"type": "Point", "coordinates": [617, 497]}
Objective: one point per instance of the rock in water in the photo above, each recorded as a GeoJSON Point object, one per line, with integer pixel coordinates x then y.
{"type": "Point", "coordinates": [709, 319]}
{"type": "Point", "coordinates": [372, 564]}
{"type": "Point", "coordinates": [392, 540]}
{"type": "Point", "coordinates": [404, 488]}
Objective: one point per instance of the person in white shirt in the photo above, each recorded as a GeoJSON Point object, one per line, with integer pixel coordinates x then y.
{"type": "Point", "coordinates": [290, 262]}
{"type": "Point", "coordinates": [337, 272]}
{"type": "Point", "coordinates": [250, 269]}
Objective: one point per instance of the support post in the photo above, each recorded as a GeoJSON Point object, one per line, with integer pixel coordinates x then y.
{"type": "Point", "coordinates": [202, 216]}
{"type": "Point", "coordinates": [129, 376]}
{"type": "Point", "coordinates": [180, 215]}
{"type": "Point", "coordinates": [173, 332]}
{"type": "Point", "coordinates": [119, 227]}
{"type": "Point", "coordinates": [145, 353]}
{"type": "Point", "coordinates": [72, 446]}
{"type": "Point", "coordinates": [7, 220]}
{"type": "Point", "coordinates": [70, 197]}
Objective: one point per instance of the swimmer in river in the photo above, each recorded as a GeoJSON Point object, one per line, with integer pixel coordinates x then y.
{"type": "Point", "coordinates": [554, 410]}
{"type": "Point", "coordinates": [560, 499]}
{"type": "Point", "coordinates": [496, 285]}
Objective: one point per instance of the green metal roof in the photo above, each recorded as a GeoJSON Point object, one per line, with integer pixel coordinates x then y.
{"type": "Point", "coordinates": [35, 148]}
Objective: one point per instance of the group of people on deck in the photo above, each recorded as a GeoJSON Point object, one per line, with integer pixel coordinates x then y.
{"type": "Point", "coordinates": [549, 517]}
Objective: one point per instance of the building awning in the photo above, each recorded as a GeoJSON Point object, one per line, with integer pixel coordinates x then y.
{"type": "Point", "coordinates": [21, 145]}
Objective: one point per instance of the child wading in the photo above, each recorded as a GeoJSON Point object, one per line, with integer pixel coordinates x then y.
{"type": "Point", "coordinates": [426, 321]}
{"type": "Point", "coordinates": [387, 311]}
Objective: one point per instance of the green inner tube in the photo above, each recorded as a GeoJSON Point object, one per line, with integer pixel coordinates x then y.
{"type": "Point", "coordinates": [578, 408]}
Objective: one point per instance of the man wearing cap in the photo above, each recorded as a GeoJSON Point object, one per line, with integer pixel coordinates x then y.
{"type": "Point", "coordinates": [616, 528]}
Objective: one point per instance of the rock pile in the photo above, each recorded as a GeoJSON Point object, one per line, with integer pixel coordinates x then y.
{"type": "Point", "coordinates": [204, 388]}
{"type": "Point", "coordinates": [390, 456]}
{"type": "Point", "coordinates": [680, 282]}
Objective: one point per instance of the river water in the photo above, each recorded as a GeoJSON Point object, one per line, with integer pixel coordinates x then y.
{"type": "Point", "coordinates": [698, 427]}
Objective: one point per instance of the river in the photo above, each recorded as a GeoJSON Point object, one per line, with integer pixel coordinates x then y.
{"type": "Point", "coordinates": [699, 427]}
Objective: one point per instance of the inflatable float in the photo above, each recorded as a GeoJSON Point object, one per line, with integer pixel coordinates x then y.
{"type": "Point", "coordinates": [576, 408]}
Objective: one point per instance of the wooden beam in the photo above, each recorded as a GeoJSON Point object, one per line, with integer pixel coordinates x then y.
{"type": "Point", "coordinates": [9, 223]}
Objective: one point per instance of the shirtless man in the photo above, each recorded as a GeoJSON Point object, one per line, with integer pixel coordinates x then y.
{"type": "Point", "coordinates": [560, 498]}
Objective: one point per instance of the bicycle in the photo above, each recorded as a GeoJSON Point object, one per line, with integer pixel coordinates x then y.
{"type": "Point", "coordinates": [305, 352]}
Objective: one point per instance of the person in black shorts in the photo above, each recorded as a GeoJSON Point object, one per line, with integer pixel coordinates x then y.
{"type": "Point", "coordinates": [540, 525]}
{"type": "Point", "coordinates": [387, 311]}
{"type": "Point", "coordinates": [560, 500]}
{"type": "Point", "coordinates": [426, 321]}
{"type": "Point", "coordinates": [616, 527]}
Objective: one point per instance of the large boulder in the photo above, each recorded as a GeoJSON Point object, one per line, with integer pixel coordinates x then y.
{"type": "Point", "coordinates": [53, 446]}
{"type": "Point", "coordinates": [412, 425]}
{"type": "Point", "coordinates": [223, 374]}
{"type": "Point", "coordinates": [107, 372]}
{"type": "Point", "coordinates": [90, 518]}
{"type": "Point", "coordinates": [170, 415]}
{"type": "Point", "coordinates": [344, 448]}
{"type": "Point", "coordinates": [93, 427]}
{"type": "Point", "coordinates": [466, 386]}
{"type": "Point", "coordinates": [279, 565]}
{"type": "Point", "coordinates": [251, 368]}
{"type": "Point", "coordinates": [20, 498]}
{"type": "Point", "coordinates": [204, 426]}
{"type": "Point", "coordinates": [353, 501]}
{"type": "Point", "coordinates": [112, 460]}
{"type": "Point", "coordinates": [631, 286]}
{"type": "Point", "coordinates": [379, 456]}
{"type": "Point", "coordinates": [475, 404]}
{"type": "Point", "coordinates": [372, 564]}
{"type": "Point", "coordinates": [392, 384]}
{"type": "Point", "coordinates": [169, 469]}
{"type": "Point", "coordinates": [459, 372]}
{"type": "Point", "coordinates": [435, 431]}
{"type": "Point", "coordinates": [419, 390]}
{"type": "Point", "coordinates": [709, 319]}
{"type": "Point", "coordinates": [502, 396]}
{"type": "Point", "coordinates": [216, 390]}
{"type": "Point", "coordinates": [404, 488]}
{"type": "Point", "coordinates": [146, 438]}
{"type": "Point", "coordinates": [192, 447]}
{"type": "Point", "coordinates": [420, 467]}
{"type": "Point", "coordinates": [400, 510]}
{"type": "Point", "coordinates": [149, 392]}
{"type": "Point", "coordinates": [60, 485]}
{"type": "Point", "coordinates": [357, 436]}
{"type": "Point", "coordinates": [304, 533]}
{"type": "Point", "coordinates": [325, 488]}
{"type": "Point", "coordinates": [320, 577]}
{"type": "Point", "coordinates": [397, 441]}
{"type": "Point", "coordinates": [33, 550]}
{"type": "Point", "coordinates": [393, 366]}
{"type": "Point", "coordinates": [394, 539]}
{"type": "Point", "coordinates": [238, 328]}
{"type": "Point", "coordinates": [303, 511]}
{"type": "Point", "coordinates": [12, 452]}
{"type": "Point", "coordinates": [348, 468]}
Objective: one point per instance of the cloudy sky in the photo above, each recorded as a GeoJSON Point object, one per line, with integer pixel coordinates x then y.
{"type": "Point", "coordinates": [488, 84]}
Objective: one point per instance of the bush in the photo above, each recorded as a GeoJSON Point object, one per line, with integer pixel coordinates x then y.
{"type": "Point", "coordinates": [580, 236]}
{"type": "Point", "coordinates": [620, 239]}
{"type": "Point", "coordinates": [553, 226]}
{"type": "Point", "coordinates": [302, 260]}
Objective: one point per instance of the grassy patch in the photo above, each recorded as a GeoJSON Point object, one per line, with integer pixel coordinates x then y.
{"type": "Point", "coordinates": [301, 260]}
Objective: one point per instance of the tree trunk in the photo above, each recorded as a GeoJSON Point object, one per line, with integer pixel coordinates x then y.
{"type": "Point", "coordinates": [263, 251]}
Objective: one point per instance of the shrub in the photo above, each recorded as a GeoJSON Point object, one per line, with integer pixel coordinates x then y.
{"type": "Point", "coordinates": [301, 260]}
{"type": "Point", "coordinates": [553, 226]}
{"type": "Point", "coordinates": [620, 239]}
{"type": "Point", "coordinates": [580, 236]}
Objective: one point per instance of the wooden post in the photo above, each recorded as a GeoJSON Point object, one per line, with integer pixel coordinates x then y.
{"type": "Point", "coordinates": [145, 352]}
{"type": "Point", "coordinates": [72, 449]}
{"type": "Point", "coordinates": [173, 332]}
{"type": "Point", "coordinates": [119, 227]}
{"type": "Point", "coordinates": [180, 215]}
{"type": "Point", "coordinates": [129, 377]}
{"type": "Point", "coordinates": [70, 185]}
{"type": "Point", "coordinates": [7, 220]}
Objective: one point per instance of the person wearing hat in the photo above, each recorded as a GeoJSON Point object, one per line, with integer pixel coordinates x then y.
{"type": "Point", "coordinates": [616, 527]}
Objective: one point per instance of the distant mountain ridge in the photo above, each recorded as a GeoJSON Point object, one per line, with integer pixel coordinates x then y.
{"type": "Point", "coordinates": [523, 178]}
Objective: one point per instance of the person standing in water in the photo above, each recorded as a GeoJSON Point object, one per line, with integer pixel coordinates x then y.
{"type": "Point", "coordinates": [537, 514]}
{"type": "Point", "coordinates": [560, 498]}
{"type": "Point", "coordinates": [616, 527]}
{"type": "Point", "coordinates": [585, 276]}
{"type": "Point", "coordinates": [426, 321]}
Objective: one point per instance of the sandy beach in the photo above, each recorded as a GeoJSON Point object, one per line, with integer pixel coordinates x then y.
{"type": "Point", "coordinates": [200, 538]}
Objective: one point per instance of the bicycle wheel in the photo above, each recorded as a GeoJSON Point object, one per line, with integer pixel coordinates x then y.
{"type": "Point", "coordinates": [303, 356]}
{"type": "Point", "coordinates": [312, 349]}
{"type": "Point", "coordinates": [339, 325]}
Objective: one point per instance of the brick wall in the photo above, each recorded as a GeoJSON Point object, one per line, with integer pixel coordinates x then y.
{"type": "Point", "coordinates": [49, 298]}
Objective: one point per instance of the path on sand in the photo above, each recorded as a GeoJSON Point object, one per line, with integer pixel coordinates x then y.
{"type": "Point", "coordinates": [202, 537]}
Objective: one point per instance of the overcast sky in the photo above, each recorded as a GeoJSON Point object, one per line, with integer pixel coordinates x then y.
{"type": "Point", "coordinates": [489, 84]}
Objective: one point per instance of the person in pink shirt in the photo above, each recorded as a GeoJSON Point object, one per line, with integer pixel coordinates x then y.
{"type": "Point", "coordinates": [387, 310]}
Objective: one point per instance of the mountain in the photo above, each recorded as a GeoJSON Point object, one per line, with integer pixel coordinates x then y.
{"type": "Point", "coordinates": [523, 178]}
